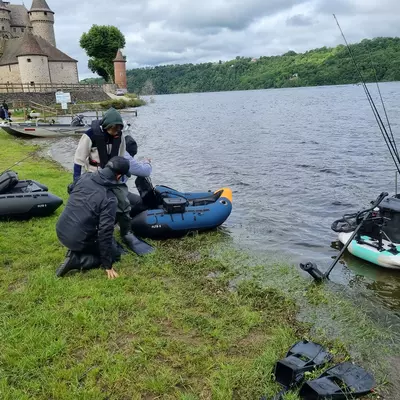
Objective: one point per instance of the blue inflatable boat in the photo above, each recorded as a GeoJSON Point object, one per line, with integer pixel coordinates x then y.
{"type": "Point", "coordinates": [174, 214]}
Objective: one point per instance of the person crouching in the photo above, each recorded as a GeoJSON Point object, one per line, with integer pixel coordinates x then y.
{"type": "Point", "coordinates": [86, 225]}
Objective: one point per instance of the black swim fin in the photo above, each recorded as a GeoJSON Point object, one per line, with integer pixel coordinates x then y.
{"type": "Point", "coordinates": [302, 357]}
{"type": "Point", "coordinates": [343, 381]}
{"type": "Point", "coordinates": [136, 245]}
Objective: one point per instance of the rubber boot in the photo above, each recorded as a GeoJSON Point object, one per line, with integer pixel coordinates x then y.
{"type": "Point", "coordinates": [117, 251]}
{"type": "Point", "coordinates": [72, 261]}
{"type": "Point", "coordinates": [89, 261]}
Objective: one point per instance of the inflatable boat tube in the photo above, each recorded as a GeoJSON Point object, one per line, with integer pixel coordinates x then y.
{"type": "Point", "coordinates": [180, 213]}
{"type": "Point", "coordinates": [25, 199]}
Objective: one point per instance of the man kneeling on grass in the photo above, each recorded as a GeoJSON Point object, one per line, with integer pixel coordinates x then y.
{"type": "Point", "coordinates": [86, 226]}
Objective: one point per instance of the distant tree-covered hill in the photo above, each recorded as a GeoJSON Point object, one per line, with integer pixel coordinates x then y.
{"type": "Point", "coordinates": [324, 66]}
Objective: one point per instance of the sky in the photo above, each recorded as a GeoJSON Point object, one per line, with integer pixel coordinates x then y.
{"type": "Point", "coordinates": [160, 32]}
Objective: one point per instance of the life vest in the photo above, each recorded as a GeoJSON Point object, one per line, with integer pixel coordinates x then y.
{"type": "Point", "coordinates": [100, 141]}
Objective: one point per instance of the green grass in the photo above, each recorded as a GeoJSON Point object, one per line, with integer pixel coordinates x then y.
{"type": "Point", "coordinates": [165, 329]}
{"type": "Point", "coordinates": [122, 103]}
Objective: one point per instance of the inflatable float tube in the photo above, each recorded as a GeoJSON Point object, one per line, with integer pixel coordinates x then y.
{"type": "Point", "coordinates": [25, 199]}
{"type": "Point", "coordinates": [368, 251]}
{"type": "Point", "coordinates": [181, 213]}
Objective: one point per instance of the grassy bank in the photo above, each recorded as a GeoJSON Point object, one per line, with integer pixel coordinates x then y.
{"type": "Point", "coordinates": [177, 324]}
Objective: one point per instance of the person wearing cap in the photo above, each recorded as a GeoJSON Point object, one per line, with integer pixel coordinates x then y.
{"type": "Point", "coordinates": [99, 144]}
{"type": "Point", "coordinates": [137, 168]}
{"type": "Point", "coordinates": [86, 225]}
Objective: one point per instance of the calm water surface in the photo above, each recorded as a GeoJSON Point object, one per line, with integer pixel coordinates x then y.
{"type": "Point", "coordinates": [296, 160]}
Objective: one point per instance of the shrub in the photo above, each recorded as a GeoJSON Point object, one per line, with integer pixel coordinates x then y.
{"type": "Point", "coordinates": [121, 103]}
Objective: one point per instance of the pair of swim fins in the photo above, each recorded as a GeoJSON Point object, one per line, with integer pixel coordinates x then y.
{"type": "Point", "coordinates": [340, 382]}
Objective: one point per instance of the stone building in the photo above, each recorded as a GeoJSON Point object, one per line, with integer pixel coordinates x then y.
{"type": "Point", "coordinates": [28, 52]}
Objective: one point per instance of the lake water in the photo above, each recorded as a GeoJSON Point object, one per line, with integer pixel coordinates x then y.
{"type": "Point", "coordinates": [296, 160]}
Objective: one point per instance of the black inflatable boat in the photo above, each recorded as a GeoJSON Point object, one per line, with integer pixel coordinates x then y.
{"type": "Point", "coordinates": [25, 199]}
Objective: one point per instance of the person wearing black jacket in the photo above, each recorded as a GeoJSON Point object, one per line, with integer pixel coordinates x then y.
{"type": "Point", "coordinates": [86, 226]}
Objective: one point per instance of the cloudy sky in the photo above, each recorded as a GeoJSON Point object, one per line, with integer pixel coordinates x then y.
{"type": "Point", "coordinates": [181, 31]}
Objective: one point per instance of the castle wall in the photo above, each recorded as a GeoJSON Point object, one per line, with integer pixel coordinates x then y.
{"type": "Point", "coordinates": [17, 31]}
{"type": "Point", "coordinates": [34, 69]}
{"type": "Point", "coordinates": [4, 23]}
{"type": "Point", "coordinates": [63, 72]}
{"type": "Point", "coordinates": [10, 73]}
{"type": "Point", "coordinates": [43, 25]}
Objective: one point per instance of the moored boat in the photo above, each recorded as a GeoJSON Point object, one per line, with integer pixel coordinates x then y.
{"type": "Point", "coordinates": [34, 128]}
{"type": "Point", "coordinates": [378, 239]}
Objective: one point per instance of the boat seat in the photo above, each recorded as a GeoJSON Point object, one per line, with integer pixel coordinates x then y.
{"type": "Point", "coordinates": [7, 181]}
{"type": "Point", "coordinates": [206, 200]}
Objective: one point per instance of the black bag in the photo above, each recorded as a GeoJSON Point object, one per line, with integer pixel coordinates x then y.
{"type": "Point", "coordinates": [147, 193]}
{"type": "Point", "coordinates": [174, 205]}
{"type": "Point", "coordinates": [390, 211]}
{"type": "Point", "coordinates": [7, 181]}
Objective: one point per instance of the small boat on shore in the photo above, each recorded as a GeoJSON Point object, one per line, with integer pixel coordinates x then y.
{"type": "Point", "coordinates": [24, 199]}
{"type": "Point", "coordinates": [35, 128]}
{"type": "Point", "coordinates": [174, 214]}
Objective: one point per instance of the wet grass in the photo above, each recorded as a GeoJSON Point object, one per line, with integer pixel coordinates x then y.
{"type": "Point", "coordinates": [183, 323]}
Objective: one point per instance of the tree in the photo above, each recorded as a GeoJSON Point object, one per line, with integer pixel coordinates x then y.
{"type": "Point", "coordinates": [101, 44]}
{"type": "Point", "coordinates": [323, 66]}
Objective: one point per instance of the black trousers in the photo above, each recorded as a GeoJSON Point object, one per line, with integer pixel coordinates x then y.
{"type": "Point", "coordinates": [93, 249]}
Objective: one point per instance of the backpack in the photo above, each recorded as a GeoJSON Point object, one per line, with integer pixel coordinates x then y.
{"type": "Point", "coordinates": [7, 181]}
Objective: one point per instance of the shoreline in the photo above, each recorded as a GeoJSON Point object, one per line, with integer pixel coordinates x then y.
{"type": "Point", "coordinates": [183, 323]}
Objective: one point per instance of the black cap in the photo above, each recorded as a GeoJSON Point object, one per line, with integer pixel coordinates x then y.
{"type": "Point", "coordinates": [119, 165]}
{"type": "Point", "coordinates": [131, 145]}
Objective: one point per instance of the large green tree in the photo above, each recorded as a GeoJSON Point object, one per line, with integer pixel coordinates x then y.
{"type": "Point", "coordinates": [101, 44]}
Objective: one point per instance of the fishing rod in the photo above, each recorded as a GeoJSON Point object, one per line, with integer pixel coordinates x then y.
{"type": "Point", "coordinates": [380, 95]}
{"type": "Point", "coordinates": [7, 169]}
{"type": "Point", "coordinates": [392, 149]}
{"type": "Point", "coordinates": [312, 268]}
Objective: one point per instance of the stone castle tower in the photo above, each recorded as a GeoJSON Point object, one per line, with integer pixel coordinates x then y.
{"type": "Point", "coordinates": [5, 21]}
{"type": "Point", "coordinates": [28, 52]}
{"type": "Point", "coordinates": [42, 20]}
{"type": "Point", "coordinates": [120, 71]}
{"type": "Point", "coordinates": [15, 20]}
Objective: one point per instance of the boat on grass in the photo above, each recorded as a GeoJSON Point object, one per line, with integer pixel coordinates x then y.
{"type": "Point", "coordinates": [25, 199]}
{"type": "Point", "coordinates": [172, 213]}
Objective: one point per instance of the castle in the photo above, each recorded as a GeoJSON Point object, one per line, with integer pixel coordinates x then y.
{"type": "Point", "coordinates": [28, 52]}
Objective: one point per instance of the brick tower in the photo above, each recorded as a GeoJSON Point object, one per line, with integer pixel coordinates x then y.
{"type": "Point", "coordinates": [120, 71]}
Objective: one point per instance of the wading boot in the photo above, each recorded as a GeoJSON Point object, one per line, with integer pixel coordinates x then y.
{"type": "Point", "coordinates": [117, 251]}
{"type": "Point", "coordinates": [89, 261]}
{"type": "Point", "coordinates": [136, 245]}
{"type": "Point", "coordinates": [72, 261]}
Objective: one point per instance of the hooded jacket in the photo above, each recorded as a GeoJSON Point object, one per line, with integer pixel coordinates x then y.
{"type": "Point", "coordinates": [87, 149]}
{"type": "Point", "coordinates": [89, 215]}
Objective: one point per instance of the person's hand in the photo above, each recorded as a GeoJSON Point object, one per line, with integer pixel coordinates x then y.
{"type": "Point", "coordinates": [70, 187]}
{"type": "Point", "coordinates": [112, 273]}
{"type": "Point", "coordinates": [148, 160]}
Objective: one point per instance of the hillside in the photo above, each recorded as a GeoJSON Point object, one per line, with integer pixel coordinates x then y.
{"type": "Point", "coordinates": [323, 66]}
